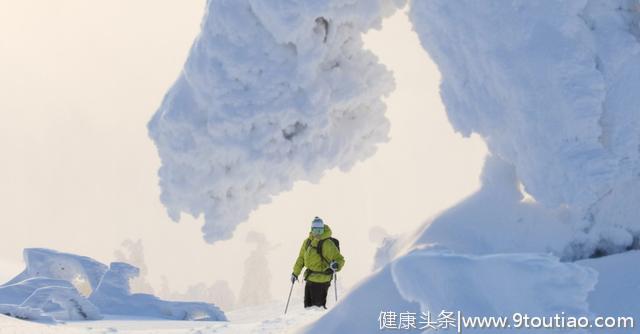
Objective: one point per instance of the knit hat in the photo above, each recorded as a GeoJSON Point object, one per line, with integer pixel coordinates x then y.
{"type": "Point", "coordinates": [317, 222]}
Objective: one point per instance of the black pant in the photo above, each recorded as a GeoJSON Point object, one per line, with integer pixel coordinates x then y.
{"type": "Point", "coordinates": [315, 294]}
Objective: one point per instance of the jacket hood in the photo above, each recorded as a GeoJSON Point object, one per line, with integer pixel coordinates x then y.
{"type": "Point", "coordinates": [326, 234]}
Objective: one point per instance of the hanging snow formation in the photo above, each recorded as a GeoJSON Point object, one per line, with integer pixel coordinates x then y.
{"type": "Point", "coordinates": [58, 287]}
{"type": "Point", "coordinates": [272, 92]}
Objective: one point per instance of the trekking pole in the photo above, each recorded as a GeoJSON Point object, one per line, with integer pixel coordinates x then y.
{"type": "Point", "coordinates": [335, 284]}
{"type": "Point", "coordinates": [285, 309]}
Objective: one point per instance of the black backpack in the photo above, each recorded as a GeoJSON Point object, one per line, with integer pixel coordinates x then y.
{"type": "Point", "coordinates": [319, 247]}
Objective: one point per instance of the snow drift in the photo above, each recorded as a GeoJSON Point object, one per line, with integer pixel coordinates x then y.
{"type": "Point", "coordinates": [272, 92]}
{"type": "Point", "coordinates": [496, 284]}
{"type": "Point", "coordinates": [58, 286]}
{"type": "Point", "coordinates": [490, 255]}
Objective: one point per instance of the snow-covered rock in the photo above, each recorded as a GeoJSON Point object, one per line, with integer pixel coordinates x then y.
{"type": "Point", "coordinates": [62, 303]}
{"type": "Point", "coordinates": [16, 293]}
{"type": "Point", "coordinates": [50, 289]}
{"type": "Point", "coordinates": [47, 300]}
{"type": "Point", "coordinates": [272, 92]}
{"type": "Point", "coordinates": [113, 296]}
{"type": "Point", "coordinates": [48, 263]}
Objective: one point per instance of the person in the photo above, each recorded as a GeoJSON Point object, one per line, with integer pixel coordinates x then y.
{"type": "Point", "coordinates": [321, 264]}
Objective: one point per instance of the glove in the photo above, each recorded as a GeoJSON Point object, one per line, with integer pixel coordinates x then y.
{"type": "Point", "coordinates": [293, 278]}
{"type": "Point", "coordinates": [333, 265]}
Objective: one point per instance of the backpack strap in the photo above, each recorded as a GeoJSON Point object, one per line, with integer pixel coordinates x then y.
{"type": "Point", "coordinates": [320, 242]}
{"type": "Point", "coordinates": [318, 248]}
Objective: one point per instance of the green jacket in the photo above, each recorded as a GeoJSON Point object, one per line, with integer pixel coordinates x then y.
{"type": "Point", "coordinates": [309, 257]}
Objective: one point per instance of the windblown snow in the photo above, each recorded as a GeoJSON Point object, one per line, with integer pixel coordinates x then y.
{"type": "Point", "coordinates": [272, 92]}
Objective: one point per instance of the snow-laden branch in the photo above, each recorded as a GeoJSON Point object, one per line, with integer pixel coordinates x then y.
{"type": "Point", "coordinates": [272, 92]}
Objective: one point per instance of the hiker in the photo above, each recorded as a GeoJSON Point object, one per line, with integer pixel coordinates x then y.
{"type": "Point", "coordinates": [320, 253]}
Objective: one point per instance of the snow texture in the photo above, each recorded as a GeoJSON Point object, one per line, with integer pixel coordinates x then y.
{"type": "Point", "coordinates": [46, 299]}
{"type": "Point", "coordinates": [359, 310]}
{"type": "Point", "coordinates": [550, 86]}
{"type": "Point", "coordinates": [272, 92]}
{"type": "Point", "coordinates": [62, 303]}
{"type": "Point", "coordinates": [63, 266]}
{"type": "Point", "coordinates": [618, 285]}
{"type": "Point", "coordinates": [58, 287]}
{"type": "Point", "coordinates": [494, 285]}
{"type": "Point", "coordinates": [16, 293]}
{"type": "Point", "coordinates": [498, 219]}
{"type": "Point", "coordinates": [266, 318]}
{"type": "Point", "coordinates": [24, 313]}
{"type": "Point", "coordinates": [114, 297]}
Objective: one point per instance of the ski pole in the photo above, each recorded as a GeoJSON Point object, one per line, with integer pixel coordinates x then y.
{"type": "Point", "coordinates": [335, 284]}
{"type": "Point", "coordinates": [289, 298]}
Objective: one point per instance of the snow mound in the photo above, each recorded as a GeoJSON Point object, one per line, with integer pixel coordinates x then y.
{"type": "Point", "coordinates": [113, 297]}
{"type": "Point", "coordinates": [359, 310]}
{"type": "Point", "coordinates": [62, 303]}
{"type": "Point", "coordinates": [494, 285]}
{"type": "Point", "coordinates": [69, 267]}
{"type": "Point", "coordinates": [495, 253]}
{"type": "Point", "coordinates": [434, 280]}
{"type": "Point", "coordinates": [498, 219]}
{"type": "Point", "coordinates": [550, 86]}
{"type": "Point", "coordinates": [618, 285]}
{"type": "Point", "coordinates": [16, 293]}
{"type": "Point", "coordinates": [59, 287]}
{"type": "Point", "coordinates": [272, 92]}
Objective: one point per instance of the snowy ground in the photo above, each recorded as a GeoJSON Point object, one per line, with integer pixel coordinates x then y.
{"type": "Point", "coordinates": [615, 294]}
{"type": "Point", "coordinates": [268, 318]}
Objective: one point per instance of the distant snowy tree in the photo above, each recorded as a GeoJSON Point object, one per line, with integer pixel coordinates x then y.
{"type": "Point", "coordinates": [132, 252]}
{"type": "Point", "coordinates": [256, 285]}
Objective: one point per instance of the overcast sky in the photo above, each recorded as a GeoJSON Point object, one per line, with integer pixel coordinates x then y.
{"type": "Point", "coordinates": [79, 79]}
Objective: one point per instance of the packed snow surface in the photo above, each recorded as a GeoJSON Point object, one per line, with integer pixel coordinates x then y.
{"type": "Point", "coordinates": [265, 318]}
